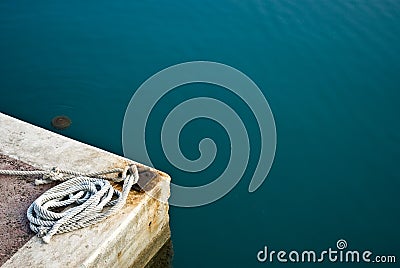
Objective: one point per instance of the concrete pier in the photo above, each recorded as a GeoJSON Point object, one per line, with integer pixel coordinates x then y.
{"type": "Point", "coordinates": [128, 239]}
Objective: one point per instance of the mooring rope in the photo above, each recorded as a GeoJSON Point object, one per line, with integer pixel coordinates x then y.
{"type": "Point", "coordinates": [83, 199]}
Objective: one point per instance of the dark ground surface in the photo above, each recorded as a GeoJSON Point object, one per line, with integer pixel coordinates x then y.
{"type": "Point", "coordinates": [17, 193]}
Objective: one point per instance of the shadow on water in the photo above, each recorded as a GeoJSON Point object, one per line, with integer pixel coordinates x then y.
{"type": "Point", "coordinates": [163, 258]}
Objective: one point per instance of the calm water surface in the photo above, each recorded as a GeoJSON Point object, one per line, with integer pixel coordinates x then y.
{"type": "Point", "coordinates": [329, 69]}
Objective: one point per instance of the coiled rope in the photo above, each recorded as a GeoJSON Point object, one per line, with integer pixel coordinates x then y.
{"type": "Point", "coordinates": [83, 199]}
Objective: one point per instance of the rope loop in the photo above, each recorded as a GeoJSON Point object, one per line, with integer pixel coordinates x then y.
{"type": "Point", "coordinates": [81, 200]}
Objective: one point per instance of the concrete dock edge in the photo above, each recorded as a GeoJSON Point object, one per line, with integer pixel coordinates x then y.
{"type": "Point", "coordinates": [128, 239]}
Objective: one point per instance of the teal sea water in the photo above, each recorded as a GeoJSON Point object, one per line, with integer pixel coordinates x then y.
{"type": "Point", "coordinates": [329, 70]}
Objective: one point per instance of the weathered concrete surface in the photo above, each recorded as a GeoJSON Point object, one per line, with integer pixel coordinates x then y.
{"type": "Point", "coordinates": [17, 193]}
{"type": "Point", "coordinates": [131, 237]}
